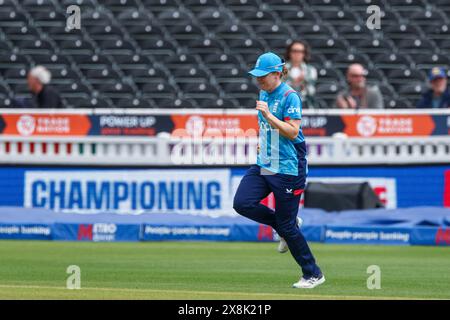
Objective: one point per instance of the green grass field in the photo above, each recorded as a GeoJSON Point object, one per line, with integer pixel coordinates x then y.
{"type": "Point", "coordinates": [216, 270]}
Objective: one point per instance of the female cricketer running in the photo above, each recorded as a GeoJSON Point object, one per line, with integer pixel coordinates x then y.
{"type": "Point", "coordinates": [281, 166]}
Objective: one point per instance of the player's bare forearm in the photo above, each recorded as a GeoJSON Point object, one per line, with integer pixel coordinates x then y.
{"type": "Point", "coordinates": [288, 129]}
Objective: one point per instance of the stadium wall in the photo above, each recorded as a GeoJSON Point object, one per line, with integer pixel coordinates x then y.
{"type": "Point", "coordinates": [15, 224]}
{"type": "Point", "coordinates": [49, 203]}
{"type": "Point", "coordinates": [197, 191]}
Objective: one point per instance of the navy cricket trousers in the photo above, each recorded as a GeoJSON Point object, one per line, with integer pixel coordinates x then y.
{"type": "Point", "coordinates": [287, 189]}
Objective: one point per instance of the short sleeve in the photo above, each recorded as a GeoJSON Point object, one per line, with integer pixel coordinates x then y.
{"type": "Point", "coordinates": [292, 107]}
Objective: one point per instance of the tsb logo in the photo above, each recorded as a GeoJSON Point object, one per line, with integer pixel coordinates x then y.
{"type": "Point", "coordinates": [97, 232]}
{"type": "Point", "coordinates": [85, 232]}
{"type": "Point", "coordinates": [443, 236]}
{"type": "Point", "coordinates": [105, 228]}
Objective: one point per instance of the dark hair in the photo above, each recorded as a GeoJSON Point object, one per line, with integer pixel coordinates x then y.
{"type": "Point", "coordinates": [307, 57]}
{"type": "Point", "coordinates": [284, 73]}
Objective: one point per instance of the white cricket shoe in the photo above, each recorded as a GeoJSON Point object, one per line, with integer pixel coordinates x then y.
{"type": "Point", "coordinates": [309, 283]}
{"type": "Point", "coordinates": [282, 246]}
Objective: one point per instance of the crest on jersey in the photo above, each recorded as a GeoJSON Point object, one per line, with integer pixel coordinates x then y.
{"type": "Point", "coordinates": [275, 106]}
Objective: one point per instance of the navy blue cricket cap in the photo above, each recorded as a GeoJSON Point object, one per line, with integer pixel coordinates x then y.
{"type": "Point", "coordinates": [267, 63]}
{"type": "Point", "coordinates": [436, 73]}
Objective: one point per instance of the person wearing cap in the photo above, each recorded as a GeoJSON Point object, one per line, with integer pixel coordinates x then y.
{"type": "Point", "coordinates": [439, 95]}
{"type": "Point", "coordinates": [281, 166]}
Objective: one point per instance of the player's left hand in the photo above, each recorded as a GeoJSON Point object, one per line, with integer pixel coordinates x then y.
{"type": "Point", "coordinates": [263, 107]}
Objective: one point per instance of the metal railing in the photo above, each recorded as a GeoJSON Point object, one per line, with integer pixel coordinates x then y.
{"type": "Point", "coordinates": [165, 150]}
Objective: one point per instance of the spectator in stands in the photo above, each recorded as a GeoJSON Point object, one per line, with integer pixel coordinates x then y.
{"type": "Point", "coordinates": [359, 95]}
{"type": "Point", "coordinates": [302, 76]}
{"type": "Point", "coordinates": [439, 95]}
{"type": "Point", "coordinates": [44, 95]}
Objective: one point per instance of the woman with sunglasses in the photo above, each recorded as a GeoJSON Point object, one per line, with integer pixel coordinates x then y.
{"type": "Point", "coordinates": [281, 166]}
{"type": "Point", "coordinates": [302, 75]}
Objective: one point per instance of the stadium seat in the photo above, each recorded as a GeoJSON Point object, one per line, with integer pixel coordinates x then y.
{"type": "Point", "coordinates": [391, 61]}
{"type": "Point", "coordinates": [132, 103]}
{"type": "Point", "coordinates": [117, 46]}
{"type": "Point", "coordinates": [168, 49]}
{"type": "Point", "coordinates": [399, 76]}
{"type": "Point", "coordinates": [338, 16]}
{"type": "Point", "coordinates": [402, 31]}
{"type": "Point", "coordinates": [87, 102]}
{"type": "Point", "coordinates": [50, 18]}
{"type": "Point", "coordinates": [411, 91]}
{"type": "Point", "coordinates": [243, 89]}
{"type": "Point", "coordinates": [232, 30]}
{"type": "Point", "coordinates": [300, 16]}
{"type": "Point", "coordinates": [216, 103]}
{"type": "Point", "coordinates": [174, 103]}
{"type": "Point", "coordinates": [246, 102]}
{"type": "Point", "coordinates": [241, 4]}
{"type": "Point", "coordinates": [145, 74]}
{"type": "Point", "coordinates": [204, 46]}
{"type": "Point", "coordinates": [53, 59]}
{"type": "Point", "coordinates": [78, 47]}
{"type": "Point", "coordinates": [36, 46]}
{"type": "Point", "coordinates": [184, 34]}
{"type": "Point", "coordinates": [256, 18]}
{"type": "Point", "coordinates": [74, 89]}
{"type": "Point", "coordinates": [201, 89]}
{"type": "Point", "coordinates": [428, 61]}
{"type": "Point", "coordinates": [397, 103]}
{"type": "Point", "coordinates": [387, 91]}
{"type": "Point", "coordinates": [328, 91]}
{"type": "Point", "coordinates": [62, 74]}
{"type": "Point", "coordinates": [329, 75]}
{"type": "Point", "coordinates": [198, 5]}
{"type": "Point", "coordinates": [273, 31]}
{"type": "Point", "coordinates": [214, 17]}
{"type": "Point", "coordinates": [189, 74]}
{"type": "Point", "coordinates": [145, 30]}
{"type": "Point", "coordinates": [427, 17]}
{"type": "Point", "coordinates": [343, 60]}
{"type": "Point", "coordinates": [106, 75]}
{"type": "Point", "coordinates": [157, 47]}
{"type": "Point", "coordinates": [159, 90]}
{"type": "Point", "coordinates": [353, 32]}
{"type": "Point", "coordinates": [102, 33]}
{"type": "Point", "coordinates": [374, 46]}
{"type": "Point", "coordinates": [221, 60]}
{"type": "Point", "coordinates": [12, 18]}
{"type": "Point", "coordinates": [119, 5]}
{"type": "Point", "coordinates": [233, 74]}
{"type": "Point", "coordinates": [246, 45]}
{"type": "Point", "coordinates": [160, 5]}
{"type": "Point", "coordinates": [324, 4]}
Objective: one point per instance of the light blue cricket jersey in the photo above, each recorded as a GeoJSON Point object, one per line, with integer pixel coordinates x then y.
{"type": "Point", "coordinates": [281, 155]}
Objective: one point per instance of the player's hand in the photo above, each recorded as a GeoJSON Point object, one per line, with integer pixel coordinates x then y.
{"type": "Point", "coordinates": [263, 107]}
{"type": "Point", "coordinates": [351, 102]}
